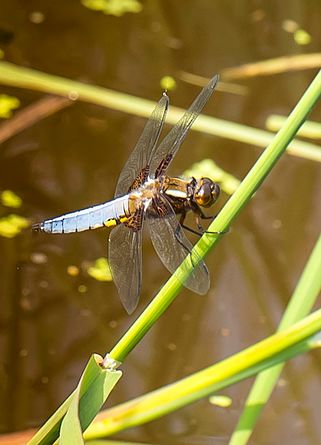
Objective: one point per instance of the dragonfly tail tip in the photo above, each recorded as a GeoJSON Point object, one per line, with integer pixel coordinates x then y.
{"type": "Point", "coordinates": [37, 227]}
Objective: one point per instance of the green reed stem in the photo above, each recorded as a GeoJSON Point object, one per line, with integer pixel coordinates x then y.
{"type": "Point", "coordinates": [301, 303]}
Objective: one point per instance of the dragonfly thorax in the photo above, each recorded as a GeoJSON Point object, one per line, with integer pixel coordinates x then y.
{"type": "Point", "coordinates": [143, 195]}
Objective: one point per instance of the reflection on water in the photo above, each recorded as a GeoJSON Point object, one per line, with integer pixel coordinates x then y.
{"type": "Point", "coordinates": [51, 319]}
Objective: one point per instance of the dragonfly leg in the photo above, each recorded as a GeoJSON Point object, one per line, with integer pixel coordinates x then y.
{"type": "Point", "coordinates": [218, 232]}
{"type": "Point", "coordinates": [181, 221]}
{"type": "Point", "coordinates": [177, 233]}
{"type": "Point", "coordinates": [200, 215]}
{"type": "Point", "coordinates": [200, 233]}
{"type": "Point", "coordinates": [189, 251]}
{"type": "Point", "coordinates": [177, 230]}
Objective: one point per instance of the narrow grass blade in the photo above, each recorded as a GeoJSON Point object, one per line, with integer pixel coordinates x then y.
{"type": "Point", "coordinates": [270, 351]}
{"type": "Point", "coordinates": [300, 305]}
{"type": "Point", "coordinates": [22, 77]}
{"type": "Point", "coordinates": [278, 65]}
{"type": "Point", "coordinates": [32, 114]}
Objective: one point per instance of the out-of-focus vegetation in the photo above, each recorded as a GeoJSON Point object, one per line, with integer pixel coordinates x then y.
{"type": "Point", "coordinates": [100, 270]}
{"type": "Point", "coordinates": [9, 199]}
{"type": "Point", "coordinates": [114, 7]}
{"type": "Point", "coordinates": [309, 129]}
{"type": "Point", "coordinates": [300, 35]}
{"type": "Point", "coordinates": [7, 105]}
{"type": "Point", "coordinates": [168, 83]}
{"type": "Point", "coordinates": [221, 401]}
{"type": "Point", "coordinates": [27, 78]}
{"type": "Point", "coordinates": [11, 225]}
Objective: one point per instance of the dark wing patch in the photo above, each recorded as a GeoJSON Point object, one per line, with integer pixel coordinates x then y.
{"type": "Point", "coordinates": [140, 157]}
{"type": "Point", "coordinates": [169, 146]}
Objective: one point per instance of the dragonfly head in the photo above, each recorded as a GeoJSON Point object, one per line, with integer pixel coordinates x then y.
{"type": "Point", "coordinates": [206, 192]}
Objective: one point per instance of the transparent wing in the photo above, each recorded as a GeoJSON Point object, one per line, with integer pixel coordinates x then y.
{"type": "Point", "coordinates": [172, 246]}
{"type": "Point", "coordinates": [125, 260]}
{"type": "Point", "coordinates": [171, 143]}
{"type": "Point", "coordinates": [140, 156]}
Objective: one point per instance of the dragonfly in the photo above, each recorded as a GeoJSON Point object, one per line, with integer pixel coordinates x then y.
{"type": "Point", "coordinates": [146, 195]}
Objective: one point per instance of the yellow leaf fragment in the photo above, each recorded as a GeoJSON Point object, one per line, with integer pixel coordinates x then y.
{"type": "Point", "coordinates": [100, 270]}
{"type": "Point", "coordinates": [113, 7]}
{"type": "Point", "coordinates": [10, 199]}
{"type": "Point", "coordinates": [11, 225]}
{"type": "Point", "coordinates": [7, 104]}
{"type": "Point", "coordinates": [72, 270]}
{"type": "Point", "coordinates": [168, 83]}
{"type": "Point", "coordinates": [221, 401]}
{"type": "Point", "coordinates": [302, 37]}
{"type": "Point", "coordinates": [290, 26]}
{"type": "Point", "coordinates": [82, 288]}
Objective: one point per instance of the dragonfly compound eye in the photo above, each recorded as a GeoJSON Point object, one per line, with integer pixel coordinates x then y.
{"type": "Point", "coordinates": [206, 192]}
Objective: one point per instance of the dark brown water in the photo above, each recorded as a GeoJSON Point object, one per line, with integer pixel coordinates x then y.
{"type": "Point", "coordinates": [72, 160]}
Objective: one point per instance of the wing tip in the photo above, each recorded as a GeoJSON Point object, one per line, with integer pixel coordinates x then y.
{"type": "Point", "coordinates": [165, 97]}
{"type": "Point", "coordinates": [213, 82]}
{"type": "Point", "coordinates": [129, 309]}
{"type": "Point", "coordinates": [129, 304]}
